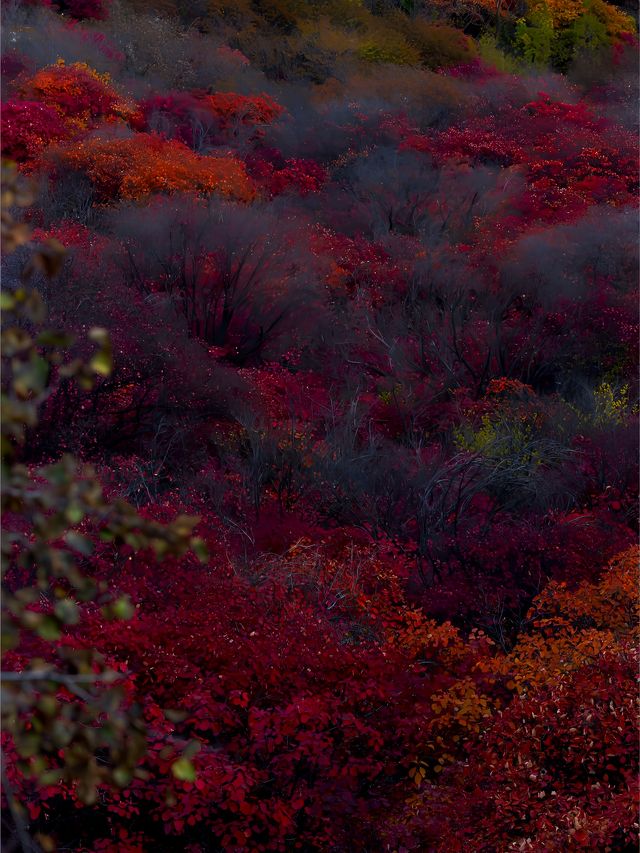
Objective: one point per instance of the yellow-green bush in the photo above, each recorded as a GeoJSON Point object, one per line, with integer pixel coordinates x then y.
{"type": "Point", "coordinates": [439, 45]}
{"type": "Point", "coordinates": [382, 44]}
{"type": "Point", "coordinates": [555, 32]}
{"type": "Point", "coordinates": [231, 11]}
{"type": "Point", "coordinates": [612, 405]}
{"type": "Point", "coordinates": [615, 20]}
{"type": "Point", "coordinates": [329, 37]}
{"type": "Point", "coordinates": [350, 14]}
{"type": "Point", "coordinates": [498, 439]}
{"type": "Point", "coordinates": [425, 91]}
{"type": "Point", "coordinates": [492, 55]}
{"type": "Point", "coordinates": [564, 12]}
{"type": "Point", "coordinates": [283, 14]}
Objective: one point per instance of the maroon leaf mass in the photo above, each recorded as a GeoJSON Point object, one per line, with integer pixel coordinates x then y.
{"type": "Point", "coordinates": [377, 331]}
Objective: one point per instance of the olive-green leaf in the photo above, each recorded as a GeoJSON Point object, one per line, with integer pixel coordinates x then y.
{"type": "Point", "coordinates": [184, 770]}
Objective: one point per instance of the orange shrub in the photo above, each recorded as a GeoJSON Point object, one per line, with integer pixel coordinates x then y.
{"type": "Point", "coordinates": [575, 628]}
{"type": "Point", "coordinates": [440, 46]}
{"type": "Point", "coordinates": [143, 164]}
{"type": "Point", "coordinates": [229, 107]}
{"type": "Point", "coordinates": [79, 95]}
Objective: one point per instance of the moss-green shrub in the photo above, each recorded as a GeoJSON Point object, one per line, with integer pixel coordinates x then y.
{"type": "Point", "coordinates": [382, 44]}
{"type": "Point", "coordinates": [283, 14]}
{"type": "Point", "coordinates": [492, 54]}
{"type": "Point", "coordinates": [440, 46]}
{"type": "Point", "coordinates": [534, 37]}
{"type": "Point", "coordinates": [350, 14]}
{"type": "Point", "coordinates": [429, 94]}
{"type": "Point", "coordinates": [586, 35]}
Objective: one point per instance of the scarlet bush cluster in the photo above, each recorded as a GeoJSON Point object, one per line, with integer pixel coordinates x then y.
{"type": "Point", "coordinates": [79, 95]}
{"type": "Point", "coordinates": [28, 127]}
{"type": "Point", "coordinates": [570, 158]}
{"type": "Point", "coordinates": [378, 333]}
{"type": "Point", "coordinates": [309, 740]}
{"type": "Point", "coordinates": [199, 119]}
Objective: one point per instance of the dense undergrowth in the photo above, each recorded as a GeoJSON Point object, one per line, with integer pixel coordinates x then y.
{"type": "Point", "coordinates": [368, 272]}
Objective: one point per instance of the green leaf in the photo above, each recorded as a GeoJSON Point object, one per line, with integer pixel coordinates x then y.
{"type": "Point", "coordinates": [52, 338]}
{"type": "Point", "coordinates": [101, 363]}
{"type": "Point", "coordinates": [58, 474]}
{"type": "Point", "coordinates": [31, 376]}
{"type": "Point", "coordinates": [175, 716]}
{"type": "Point", "coordinates": [48, 629]}
{"type": "Point", "coordinates": [67, 611]}
{"type": "Point", "coordinates": [74, 513]}
{"type": "Point", "coordinates": [79, 543]}
{"type": "Point", "coordinates": [191, 749]}
{"type": "Point", "coordinates": [121, 776]}
{"type": "Point", "coordinates": [50, 777]}
{"type": "Point", "coordinates": [8, 636]}
{"type": "Point", "coordinates": [123, 608]}
{"type": "Point", "coordinates": [29, 745]}
{"type": "Point", "coordinates": [184, 770]}
{"type": "Point", "coordinates": [184, 524]}
{"type": "Point", "coordinates": [48, 706]}
{"type": "Point", "coordinates": [200, 549]}
{"type": "Point", "coordinates": [99, 336]}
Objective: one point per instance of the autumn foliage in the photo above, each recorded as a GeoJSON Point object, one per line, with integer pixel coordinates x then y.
{"type": "Point", "coordinates": [335, 537]}
{"type": "Point", "coordinates": [197, 118]}
{"type": "Point", "coordinates": [79, 95]}
{"type": "Point", "coordinates": [28, 127]}
{"type": "Point", "coordinates": [137, 166]}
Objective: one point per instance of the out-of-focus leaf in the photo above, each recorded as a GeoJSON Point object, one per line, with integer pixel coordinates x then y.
{"type": "Point", "coordinates": [79, 543]}
{"type": "Point", "coordinates": [184, 770]}
{"type": "Point", "coordinates": [199, 548]}
{"type": "Point", "coordinates": [67, 611]}
{"type": "Point", "coordinates": [123, 608]}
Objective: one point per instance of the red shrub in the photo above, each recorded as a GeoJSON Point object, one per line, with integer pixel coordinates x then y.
{"type": "Point", "coordinates": [198, 119]}
{"type": "Point", "coordinates": [80, 95]}
{"type": "Point", "coordinates": [28, 127]}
